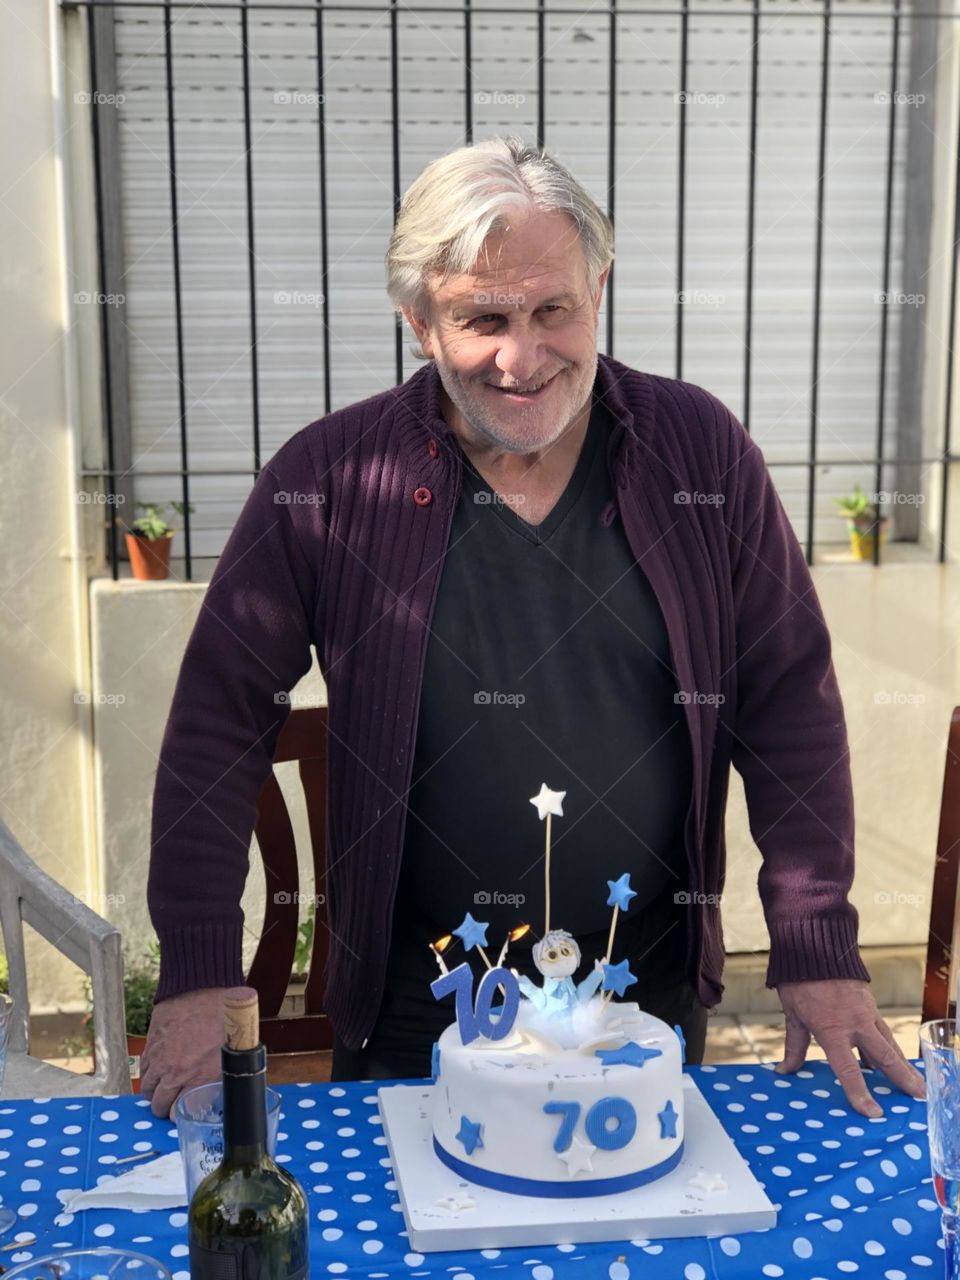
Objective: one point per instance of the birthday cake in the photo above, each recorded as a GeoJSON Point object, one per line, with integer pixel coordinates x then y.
{"type": "Point", "coordinates": [560, 1089]}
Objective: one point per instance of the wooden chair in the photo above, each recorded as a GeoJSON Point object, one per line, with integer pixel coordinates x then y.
{"type": "Point", "coordinates": [938, 998]}
{"type": "Point", "coordinates": [307, 1035]}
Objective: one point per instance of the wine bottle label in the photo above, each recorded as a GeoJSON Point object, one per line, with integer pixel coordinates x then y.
{"type": "Point", "coordinates": [240, 1262]}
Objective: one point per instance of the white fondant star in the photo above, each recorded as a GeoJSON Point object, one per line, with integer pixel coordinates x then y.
{"type": "Point", "coordinates": [548, 801]}
{"type": "Point", "coordinates": [577, 1157]}
{"type": "Point", "coordinates": [456, 1203]}
{"type": "Point", "coordinates": [707, 1181]}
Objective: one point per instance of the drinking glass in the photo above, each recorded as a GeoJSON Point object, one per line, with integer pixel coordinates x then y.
{"type": "Point", "coordinates": [7, 1216]}
{"type": "Point", "coordinates": [199, 1117]}
{"type": "Point", "coordinates": [102, 1263]}
{"type": "Point", "coordinates": [941, 1056]}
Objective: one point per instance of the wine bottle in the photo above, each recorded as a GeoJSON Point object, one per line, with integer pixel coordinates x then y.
{"type": "Point", "coordinates": [248, 1219]}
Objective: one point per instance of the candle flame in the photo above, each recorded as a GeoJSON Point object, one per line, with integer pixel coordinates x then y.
{"type": "Point", "coordinates": [516, 934]}
{"type": "Point", "coordinates": [442, 943]}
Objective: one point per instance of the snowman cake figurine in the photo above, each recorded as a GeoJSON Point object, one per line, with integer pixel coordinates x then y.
{"type": "Point", "coordinates": [557, 957]}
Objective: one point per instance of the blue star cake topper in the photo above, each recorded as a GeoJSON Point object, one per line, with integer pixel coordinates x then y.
{"type": "Point", "coordinates": [683, 1043]}
{"type": "Point", "coordinates": [630, 1054]}
{"type": "Point", "coordinates": [620, 892]}
{"type": "Point", "coordinates": [471, 932]}
{"type": "Point", "coordinates": [617, 977]}
{"type": "Point", "coordinates": [469, 1135]}
{"type": "Point", "coordinates": [668, 1118]}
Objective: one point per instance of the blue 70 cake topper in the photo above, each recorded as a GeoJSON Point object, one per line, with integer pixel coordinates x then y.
{"type": "Point", "coordinates": [556, 956]}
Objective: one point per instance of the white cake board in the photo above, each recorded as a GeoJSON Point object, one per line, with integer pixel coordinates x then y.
{"type": "Point", "coordinates": [495, 1219]}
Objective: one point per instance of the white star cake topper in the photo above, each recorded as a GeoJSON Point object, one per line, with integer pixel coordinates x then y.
{"type": "Point", "coordinates": [708, 1182]}
{"type": "Point", "coordinates": [548, 801]}
{"type": "Point", "coordinates": [456, 1202]}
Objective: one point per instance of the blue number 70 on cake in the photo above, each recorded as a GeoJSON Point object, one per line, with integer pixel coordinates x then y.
{"type": "Point", "coordinates": [560, 1089]}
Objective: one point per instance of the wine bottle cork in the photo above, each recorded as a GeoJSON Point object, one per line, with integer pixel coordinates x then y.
{"type": "Point", "coordinates": [241, 1018]}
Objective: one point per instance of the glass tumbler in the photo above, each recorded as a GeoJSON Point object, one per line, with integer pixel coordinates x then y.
{"type": "Point", "coordinates": [199, 1117]}
{"type": "Point", "coordinates": [941, 1057]}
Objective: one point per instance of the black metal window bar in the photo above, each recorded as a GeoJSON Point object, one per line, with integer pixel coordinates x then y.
{"type": "Point", "coordinates": [828, 15]}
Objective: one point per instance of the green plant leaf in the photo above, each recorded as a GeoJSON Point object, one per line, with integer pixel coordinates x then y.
{"type": "Point", "coordinates": [152, 524]}
{"type": "Point", "coordinates": [304, 947]}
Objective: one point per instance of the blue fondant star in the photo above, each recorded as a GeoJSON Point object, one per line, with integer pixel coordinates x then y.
{"type": "Point", "coordinates": [683, 1043]}
{"type": "Point", "coordinates": [469, 1135]}
{"type": "Point", "coordinates": [617, 977]}
{"type": "Point", "coordinates": [471, 932]}
{"type": "Point", "coordinates": [435, 1062]}
{"type": "Point", "coordinates": [620, 892]}
{"type": "Point", "coordinates": [668, 1118]}
{"type": "Point", "coordinates": [629, 1055]}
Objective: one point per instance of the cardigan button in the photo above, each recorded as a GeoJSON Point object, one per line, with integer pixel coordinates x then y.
{"type": "Point", "coordinates": [422, 497]}
{"type": "Point", "coordinates": [433, 449]}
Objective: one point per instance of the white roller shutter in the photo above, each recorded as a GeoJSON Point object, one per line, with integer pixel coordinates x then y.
{"type": "Point", "coordinates": [213, 232]}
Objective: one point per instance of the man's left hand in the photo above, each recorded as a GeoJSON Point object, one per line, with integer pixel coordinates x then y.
{"type": "Point", "coordinates": [842, 1014]}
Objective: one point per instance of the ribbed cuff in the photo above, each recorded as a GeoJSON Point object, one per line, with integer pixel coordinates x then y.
{"type": "Point", "coordinates": [814, 949]}
{"type": "Point", "coordinates": [200, 955]}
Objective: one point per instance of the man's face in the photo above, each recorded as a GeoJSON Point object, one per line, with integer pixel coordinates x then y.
{"type": "Point", "coordinates": [524, 320]}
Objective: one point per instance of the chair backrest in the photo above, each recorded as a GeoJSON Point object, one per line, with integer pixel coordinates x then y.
{"type": "Point", "coordinates": [303, 739]}
{"type": "Point", "coordinates": [29, 896]}
{"type": "Point", "coordinates": [938, 999]}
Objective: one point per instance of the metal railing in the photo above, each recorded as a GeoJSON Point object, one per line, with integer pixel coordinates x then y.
{"type": "Point", "coordinates": [827, 17]}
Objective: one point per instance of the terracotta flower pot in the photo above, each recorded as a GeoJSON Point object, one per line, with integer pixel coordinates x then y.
{"type": "Point", "coordinates": [135, 1048]}
{"type": "Point", "coordinates": [149, 557]}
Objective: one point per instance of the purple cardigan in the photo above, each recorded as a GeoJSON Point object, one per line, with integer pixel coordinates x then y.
{"type": "Point", "coordinates": [340, 545]}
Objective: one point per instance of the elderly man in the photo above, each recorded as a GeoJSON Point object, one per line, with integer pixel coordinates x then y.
{"type": "Point", "coordinates": [527, 563]}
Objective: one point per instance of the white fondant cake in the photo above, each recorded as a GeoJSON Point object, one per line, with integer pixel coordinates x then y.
{"type": "Point", "coordinates": [586, 1105]}
{"type": "Point", "coordinates": [563, 1093]}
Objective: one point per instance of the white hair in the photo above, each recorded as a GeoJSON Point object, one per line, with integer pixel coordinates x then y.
{"type": "Point", "coordinates": [462, 197]}
{"type": "Point", "coordinates": [551, 939]}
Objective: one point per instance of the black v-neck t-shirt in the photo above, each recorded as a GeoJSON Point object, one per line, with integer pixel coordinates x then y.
{"type": "Point", "coordinates": [548, 661]}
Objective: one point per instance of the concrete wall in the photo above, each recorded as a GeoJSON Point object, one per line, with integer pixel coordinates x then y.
{"type": "Point", "coordinates": [46, 789]}
{"type": "Point", "coordinates": [139, 631]}
{"type": "Point", "coordinates": [894, 640]}
{"type": "Point", "coordinates": [894, 633]}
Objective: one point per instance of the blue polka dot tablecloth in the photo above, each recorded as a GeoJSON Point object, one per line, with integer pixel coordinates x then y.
{"type": "Point", "coordinates": [854, 1196]}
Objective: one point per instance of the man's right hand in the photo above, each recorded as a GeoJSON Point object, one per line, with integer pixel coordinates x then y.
{"type": "Point", "coordinates": [183, 1046]}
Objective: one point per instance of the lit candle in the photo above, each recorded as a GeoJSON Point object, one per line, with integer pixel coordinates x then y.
{"type": "Point", "coordinates": [439, 946]}
{"type": "Point", "coordinates": [513, 936]}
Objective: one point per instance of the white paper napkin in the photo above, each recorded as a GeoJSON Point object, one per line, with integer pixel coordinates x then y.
{"type": "Point", "coordinates": [159, 1184]}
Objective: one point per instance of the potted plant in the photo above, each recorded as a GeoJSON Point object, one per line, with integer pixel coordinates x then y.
{"type": "Point", "coordinates": [293, 1002]}
{"type": "Point", "coordinates": [140, 977]}
{"type": "Point", "coordinates": [149, 538]}
{"type": "Point", "coordinates": [863, 521]}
